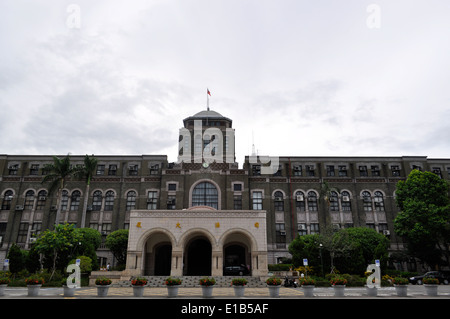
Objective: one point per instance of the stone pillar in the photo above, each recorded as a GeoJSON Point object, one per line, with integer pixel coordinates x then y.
{"type": "Point", "coordinates": [177, 263]}
{"type": "Point", "coordinates": [217, 263]}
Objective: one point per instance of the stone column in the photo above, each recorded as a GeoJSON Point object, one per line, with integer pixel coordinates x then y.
{"type": "Point", "coordinates": [217, 263]}
{"type": "Point", "coordinates": [177, 263]}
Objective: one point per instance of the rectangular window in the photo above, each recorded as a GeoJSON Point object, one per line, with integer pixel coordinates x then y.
{"type": "Point", "coordinates": [112, 170]}
{"type": "Point", "coordinates": [23, 232]}
{"type": "Point", "coordinates": [297, 170]}
{"type": "Point", "coordinates": [330, 170]}
{"type": "Point", "coordinates": [154, 169]}
{"type": "Point", "coordinates": [395, 169]}
{"type": "Point", "coordinates": [237, 202]}
{"type": "Point", "coordinates": [363, 171]}
{"type": "Point", "coordinates": [34, 169]}
{"type": "Point", "coordinates": [172, 187]}
{"type": "Point", "coordinates": [13, 169]}
{"type": "Point", "coordinates": [314, 229]}
{"type": "Point", "coordinates": [257, 200]}
{"type": "Point", "coordinates": [280, 235]}
{"type": "Point", "coordinates": [100, 170]}
{"type": "Point", "coordinates": [256, 170]}
{"type": "Point", "coordinates": [106, 229]}
{"type": "Point", "coordinates": [342, 171]}
{"type": "Point", "coordinates": [237, 187]}
{"type": "Point", "coordinates": [171, 201]}
{"type": "Point", "coordinates": [302, 229]}
{"type": "Point", "coordinates": [375, 170]}
{"type": "Point", "coordinates": [152, 200]}
{"type": "Point", "coordinates": [133, 170]}
{"type": "Point", "coordinates": [310, 170]}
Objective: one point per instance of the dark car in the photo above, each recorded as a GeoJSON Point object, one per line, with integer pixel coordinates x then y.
{"type": "Point", "coordinates": [442, 276]}
{"type": "Point", "coordinates": [235, 270]}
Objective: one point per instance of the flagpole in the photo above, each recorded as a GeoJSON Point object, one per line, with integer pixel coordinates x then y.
{"type": "Point", "coordinates": [207, 99]}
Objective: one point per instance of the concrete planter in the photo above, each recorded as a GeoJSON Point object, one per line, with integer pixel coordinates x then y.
{"type": "Point", "coordinates": [68, 291]}
{"type": "Point", "coordinates": [172, 291]}
{"type": "Point", "coordinates": [274, 291]}
{"type": "Point", "coordinates": [207, 291]}
{"type": "Point", "coordinates": [372, 291]}
{"type": "Point", "coordinates": [308, 290]}
{"type": "Point", "coordinates": [339, 290]}
{"type": "Point", "coordinates": [431, 290]}
{"type": "Point", "coordinates": [102, 290]}
{"type": "Point", "coordinates": [138, 291]}
{"type": "Point", "coordinates": [2, 289]}
{"type": "Point", "coordinates": [239, 291]}
{"type": "Point", "coordinates": [401, 290]}
{"type": "Point", "coordinates": [33, 290]}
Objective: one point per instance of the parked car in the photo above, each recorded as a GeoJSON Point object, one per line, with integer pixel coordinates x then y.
{"type": "Point", "coordinates": [442, 276]}
{"type": "Point", "coordinates": [236, 270]}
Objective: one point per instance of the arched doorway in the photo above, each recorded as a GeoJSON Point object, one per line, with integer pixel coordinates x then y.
{"type": "Point", "coordinates": [197, 260]}
{"type": "Point", "coordinates": [163, 259]}
{"type": "Point", "coordinates": [158, 255]}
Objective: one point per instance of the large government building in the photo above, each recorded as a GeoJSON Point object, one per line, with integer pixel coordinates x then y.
{"type": "Point", "coordinates": [202, 213]}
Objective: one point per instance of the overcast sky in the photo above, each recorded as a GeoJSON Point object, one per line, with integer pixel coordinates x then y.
{"type": "Point", "coordinates": [299, 78]}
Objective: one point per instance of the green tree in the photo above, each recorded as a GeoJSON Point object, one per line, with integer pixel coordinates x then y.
{"type": "Point", "coordinates": [58, 245]}
{"type": "Point", "coordinates": [58, 173]}
{"type": "Point", "coordinates": [308, 246]}
{"type": "Point", "coordinates": [86, 172]}
{"type": "Point", "coordinates": [424, 216]}
{"type": "Point", "coordinates": [365, 246]}
{"type": "Point", "coordinates": [16, 259]}
{"type": "Point", "coordinates": [117, 242]}
{"type": "Point", "coordinates": [90, 240]}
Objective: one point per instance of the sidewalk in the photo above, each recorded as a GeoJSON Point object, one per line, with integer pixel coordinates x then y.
{"type": "Point", "coordinates": [228, 292]}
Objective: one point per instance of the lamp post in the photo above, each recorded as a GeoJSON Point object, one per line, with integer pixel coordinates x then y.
{"type": "Point", "coordinates": [321, 259]}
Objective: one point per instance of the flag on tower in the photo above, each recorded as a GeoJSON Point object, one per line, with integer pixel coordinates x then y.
{"type": "Point", "coordinates": [207, 91]}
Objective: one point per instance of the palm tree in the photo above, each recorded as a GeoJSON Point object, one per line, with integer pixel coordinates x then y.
{"type": "Point", "coordinates": [58, 173]}
{"type": "Point", "coordinates": [326, 192]}
{"type": "Point", "coordinates": [86, 172]}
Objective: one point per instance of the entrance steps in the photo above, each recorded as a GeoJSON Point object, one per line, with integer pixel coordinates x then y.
{"type": "Point", "coordinates": [193, 281]}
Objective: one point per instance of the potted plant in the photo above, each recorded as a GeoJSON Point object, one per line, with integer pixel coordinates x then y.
{"type": "Point", "coordinates": [4, 281]}
{"type": "Point", "coordinates": [34, 284]}
{"type": "Point", "coordinates": [207, 284]}
{"type": "Point", "coordinates": [274, 283]}
{"type": "Point", "coordinates": [431, 286]}
{"type": "Point", "coordinates": [401, 286]}
{"type": "Point", "coordinates": [69, 291]}
{"type": "Point", "coordinates": [103, 284]}
{"type": "Point", "coordinates": [138, 284]}
{"type": "Point", "coordinates": [239, 286]}
{"type": "Point", "coordinates": [338, 284]}
{"type": "Point", "coordinates": [308, 285]}
{"type": "Point", "coordinates": [172, 285]}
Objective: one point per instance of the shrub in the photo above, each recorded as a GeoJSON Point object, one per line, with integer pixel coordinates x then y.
{"type": "Point", "coordinates": [139, 281]}
{"type": "Point", "coordinates": [207, 281]}
{"type": "Point", "coordinates": [239, 282]}
{"type": "Point", "coordinates": [273, 281]}
{"type": "Point", "coordinates": [34, 280]}
{"type": "Point", "coordinates": [430, 281]}
{"type": "Point", "coordinates": [103, 281]}
{"type": "Point", "coordinates": [173, 281]}
{"type": "Point", "coordinates": [307, 282]}
{"type": "Point", "coordinates": [400, 281]}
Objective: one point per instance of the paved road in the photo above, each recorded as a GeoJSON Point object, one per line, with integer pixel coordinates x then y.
{"type": "Point", "coordinates": [414, 291]}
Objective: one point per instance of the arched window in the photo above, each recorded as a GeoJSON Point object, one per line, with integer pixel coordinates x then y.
{"type": "Point", "coordinates": [131, 200]}
{"type": "Point", "coordinates": [7, 199]}
{"type": "Point", "coordinates": [300, 201]}
{"type": "Point", "coordinates": [205, 194]}
{"type": "Point", "coordinates": [97, 201]}
{"type": "Point", "coordinates": [334, 203]}
{"type": "Point", "coordinates": [379, 202]}
{"type": "Point", "coordinates": [29, 200]}
{"type": "Point", "coordinates": [312, 201]}
{"type": "Point", "coordinates": [279, 202]}
{"type": "Point", "coordinates": [64, 200]}
{"type": "Point", "coordinates": [109, 201]}
{"type": "Point", "coordinates": [75, 200]}
{"type": "Point", "coordinates": [345, 201]}
{"type": "Point", "coordinates": [367, 201]}
{"type": "Point", "coordinates": [42, 197]}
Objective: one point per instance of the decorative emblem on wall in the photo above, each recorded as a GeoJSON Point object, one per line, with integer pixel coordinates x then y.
{"type": "Point", "coordinates": [257, 225]}
{"type": "Point", "coordinates": [178, 225]}
{"type": "Point", "coordinates": [138, 225]}
{"type": "Point", "coordinates": [217, 225]}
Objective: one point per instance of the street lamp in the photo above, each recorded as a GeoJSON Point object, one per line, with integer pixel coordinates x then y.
{"type": "Point", "coordinates": [321, 259]}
